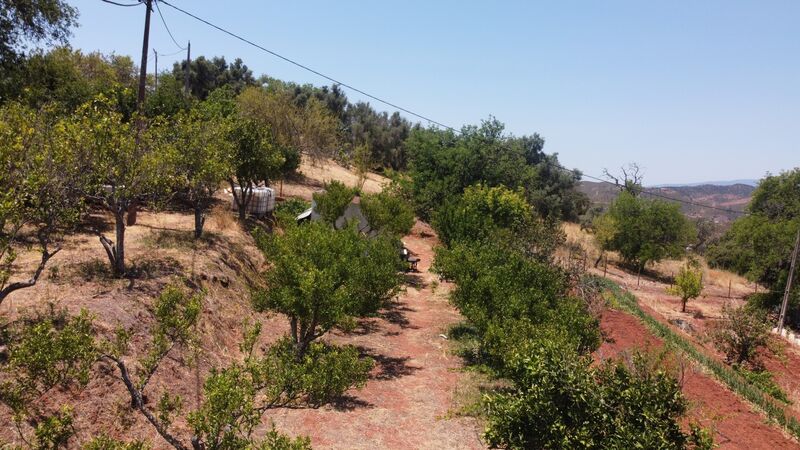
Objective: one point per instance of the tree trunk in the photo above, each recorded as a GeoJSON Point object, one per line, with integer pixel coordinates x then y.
{"type": "Point", "coordinates": [119, 263]}
{"type": "Point", "coordinates": [199, 220]}
{"type": "Point", "coordinates": [683, 309]}
{"type": "Point", "coordinates": [240, 200]}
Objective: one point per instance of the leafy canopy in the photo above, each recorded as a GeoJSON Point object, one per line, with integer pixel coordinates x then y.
{"type": "Point", "coordinates": [323, 278]}
{"type": "Point", "coordinates": [644, 230]}
{"type": "Point", "coordinates": [688, 283]}
{"type": "Point", "coordinates": [443, 164]}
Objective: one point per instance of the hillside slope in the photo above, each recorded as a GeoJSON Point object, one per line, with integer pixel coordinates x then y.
{"type": "Point", "coordinates": [734, 197]}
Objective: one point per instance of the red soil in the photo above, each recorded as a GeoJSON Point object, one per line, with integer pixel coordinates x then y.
{"type": "Point", "coordinates": [734, 423]}
{"type": "Point", "coordinates": [412, 386]}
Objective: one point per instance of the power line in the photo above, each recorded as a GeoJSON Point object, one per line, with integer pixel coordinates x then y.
{"type": "Point", "coordinates": [171, 54]}
{"type": "Point", "coordinates": [167, 27]}
{"type": "Point", "coordinates": [302, 66]}
{"type": "Point", "coordinates": [412, 113]}
{"type": "Point", "coordinates": [121, 4]}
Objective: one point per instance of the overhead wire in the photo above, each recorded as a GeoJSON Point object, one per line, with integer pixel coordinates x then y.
{"type": "Point", "coordinates": [121, 4]}
{"type": "Point", "coordinates": [167, 27]}
{"type": "Point", "coordinates": [415, 114]}
{"type": "Point", "coordinates": [171, 54]}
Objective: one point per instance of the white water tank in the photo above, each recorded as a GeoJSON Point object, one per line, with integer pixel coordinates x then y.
{"type": "Point", "coordinates": [261, 202]}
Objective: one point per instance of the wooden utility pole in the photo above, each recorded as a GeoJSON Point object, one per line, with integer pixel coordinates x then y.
{"type": "Point", "coordinates": [143, 69]}
{"type": "Point", "coordinates": [155, 60]}
{"type": "Point", "coordinates": [188, 68]}
{"type": "Point", "coordinates": [782, 317]}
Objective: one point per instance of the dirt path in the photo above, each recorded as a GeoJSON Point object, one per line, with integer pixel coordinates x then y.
{"type": "Point", "coordinates": [405, 402]}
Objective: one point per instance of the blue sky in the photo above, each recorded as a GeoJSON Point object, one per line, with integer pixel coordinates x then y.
{"type": "Point", "coordinates": [690, 90]}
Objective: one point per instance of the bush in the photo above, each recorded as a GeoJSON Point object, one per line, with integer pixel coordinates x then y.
{"type": "Point", "coordinates": [323, 278]}
{"type": "Point", "coordinates": [286, 212]}
{"type": "Point", "coordinates": [332, 203]}
{"type": "Point", "coordinates": [559, 400]}
{"type": "Point", "coordinates": [318, 377]}
{"type": "Point", "coordinates": [499, 288]}
{"type": "Point", "coordinates": [387, 213]}
{"type": "Point", "coordinates": [741, 334]}
{"type": "Point", "coordinates": [480, 212]}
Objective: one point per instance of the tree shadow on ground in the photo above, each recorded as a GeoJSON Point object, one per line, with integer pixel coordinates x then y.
{"type": "Point", "coordinates": [364, 327]}
{"type": "Point", "coordinates": [415, 280]}
{"type": "Point", "coordinates": [95, 222]}
{"type": "Point", "coordinates": [394, 313]}
{"type": "Point", "coordinates": [390, 367]}
{"type": "Point", "coordinates": [350, 403]}
{"type": "Point", "coordinates": [299, 178]}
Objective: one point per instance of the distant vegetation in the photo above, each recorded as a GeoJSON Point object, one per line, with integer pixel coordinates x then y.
{"type": "Point", "coordinates": [643, 230]}
{"type": "Point", "coordinates": [759, 245]}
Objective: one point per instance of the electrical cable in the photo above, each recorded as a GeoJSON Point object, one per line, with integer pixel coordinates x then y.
{"type": "Point", "coordinates": [417, 115]}
{"type": "Point", "coordinates": [167, 27]}
{"type": "Point", "coordinates": [121, 4]}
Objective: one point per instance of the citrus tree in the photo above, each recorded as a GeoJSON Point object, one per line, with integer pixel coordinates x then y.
{"type": "Point", "coordinates": [41, 185]}
{"type": "Point", "coordinates": [688, 283]}
{"type": "Point", "coordinates": [203, 157]}
{"type": "Point", "coordinates": [129, 162]}
{"type": "Point", "coordinates": [322, 278]}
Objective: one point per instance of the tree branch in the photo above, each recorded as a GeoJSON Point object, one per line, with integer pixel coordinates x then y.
{"type": "Point", "coordinates": [137, 402]}
{"type": "Point", "coordinates": [46, 255]}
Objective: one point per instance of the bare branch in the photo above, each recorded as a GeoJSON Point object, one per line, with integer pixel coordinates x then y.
{"type": "Point", "coordinates": [46, 255]}
{"type": "Point", "coordinates": [137, 402]}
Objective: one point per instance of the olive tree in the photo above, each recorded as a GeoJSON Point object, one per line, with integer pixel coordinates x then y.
{"type": "Point", "coordinates": [322, 278]}
{"type": "Point", "coordinates": [309, 128]}
{"type": "Point", "coordinates": [130, 163]}
{"type": "Point", "coordinates": [41, 183]}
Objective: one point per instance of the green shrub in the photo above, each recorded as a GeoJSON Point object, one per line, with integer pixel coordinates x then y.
{"type": "Point", "coordinates": [318, 377]}
{"type": "Point", "coordinates": [323, 278]}
{"type": "Point", "coordinates": [740, 335]}
{"type": "Point", "coordinates": [388, 213]}
{"type": "Point", "coordinates": [495, 284]}
{"type": "Point", "coordinates": [763, 379]}
{"type": "Point", "coordinates": [559, 400]}
{"type": "Point", "coordinates": [104, 442]}
{"type": "Point", "coordinates": [332, 203]}
{"type": "Point", "coordinates": [286, 212]}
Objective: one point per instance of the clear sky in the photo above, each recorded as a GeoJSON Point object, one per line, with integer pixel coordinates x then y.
{"type": "Point", "coordinates": [690, 90]}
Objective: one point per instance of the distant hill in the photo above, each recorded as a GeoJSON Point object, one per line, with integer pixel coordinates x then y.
{"type": "Point", "coordinates": [734, 197]}
{"type": "Point", "coordinates": [713, 183]}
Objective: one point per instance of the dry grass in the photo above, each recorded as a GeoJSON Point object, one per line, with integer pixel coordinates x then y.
{"type": "Point", "coordinates": [221, 218]}
{"type": "Point", "coordinates": [666, 268]}
{"type": "Point", "coordinates": [313, 176]}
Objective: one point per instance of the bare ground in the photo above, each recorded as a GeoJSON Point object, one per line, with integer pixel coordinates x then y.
{"type": "Point", "coordinates": [412, 386]}
{"type": "Point", "coordinates": [403, 405]}
{"type": "Point", "coordinates": [735, 425]}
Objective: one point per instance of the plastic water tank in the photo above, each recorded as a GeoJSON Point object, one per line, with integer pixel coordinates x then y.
{"type": "Point", "coordinates": [261, 202]}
